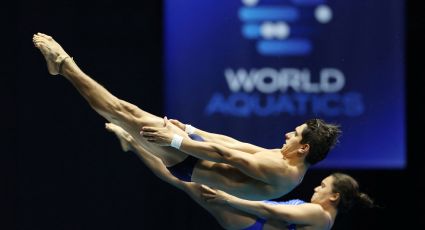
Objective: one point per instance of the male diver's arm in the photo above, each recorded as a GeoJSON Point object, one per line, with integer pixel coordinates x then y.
{"type": "Point", "coordinates": [304, 214]}
{"type": "Point", "coordinates": [220, 139]}
{"type": "Point", "coordinates": [256, 166]}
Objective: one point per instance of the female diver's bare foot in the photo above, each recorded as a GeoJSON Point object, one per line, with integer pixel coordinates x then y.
{"type": "Point", "coordinates": [52, 52]}
{"type": "Point", "coordinates": [124, 138]}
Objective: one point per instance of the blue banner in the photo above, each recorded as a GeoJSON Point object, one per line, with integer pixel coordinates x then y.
{"type": "Point", "coordinates": [255, 69]}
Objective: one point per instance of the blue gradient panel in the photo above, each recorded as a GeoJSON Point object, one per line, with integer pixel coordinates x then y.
{"type": "Point", "coordinates": [268, 13]}
{"type": "Point", "coordinates": [287, 47]}
{"type": "Point", "coordinates": [235, 68]}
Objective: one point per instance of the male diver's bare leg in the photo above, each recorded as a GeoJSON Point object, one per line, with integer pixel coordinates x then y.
{"type": "Point", "coordinates": [120, 112]}
{"type": "Point", "coordinates": [59, 62]}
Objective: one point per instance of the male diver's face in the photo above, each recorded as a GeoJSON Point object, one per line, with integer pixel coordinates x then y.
{"type": "Point", "coordinates": [292, 141]}
{"type": "Point", "coordinates": [324, 191]}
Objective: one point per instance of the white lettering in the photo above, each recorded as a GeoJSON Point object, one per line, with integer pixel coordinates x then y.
{"type": "Point", "coordinates": [332, 80]}
{"type": "Point", "coordinates": [269, 80]}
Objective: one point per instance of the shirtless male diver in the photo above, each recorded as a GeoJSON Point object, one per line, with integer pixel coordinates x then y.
{"type": "Point", "coordinates": [241, 169]}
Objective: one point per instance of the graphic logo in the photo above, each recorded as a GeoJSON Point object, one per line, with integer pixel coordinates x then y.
{"type": "Point", "coordinates": [284, 29]}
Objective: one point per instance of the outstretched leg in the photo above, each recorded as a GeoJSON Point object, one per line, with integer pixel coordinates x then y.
{"type": "Point", "coordinates": [227, 217]}
{"type": "Point", "coordinates": [117, 111]}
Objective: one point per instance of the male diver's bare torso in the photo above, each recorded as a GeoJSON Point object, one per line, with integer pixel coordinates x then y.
{"type": "Point", "coordinates": [230, 179]}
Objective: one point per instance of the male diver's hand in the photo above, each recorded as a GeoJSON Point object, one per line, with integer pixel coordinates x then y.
{"type": "Point", "coordinates": [159, 135]}
{"type": "Point", "coordinates": [214, 195]}
{"type": "Point", "coordinates": [178, 124]}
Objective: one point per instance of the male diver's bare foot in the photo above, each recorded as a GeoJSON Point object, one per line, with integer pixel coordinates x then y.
{"type": "Point", "coordinates": [52, 52]}
{"type": "Point", "coordinates": [124, 138]}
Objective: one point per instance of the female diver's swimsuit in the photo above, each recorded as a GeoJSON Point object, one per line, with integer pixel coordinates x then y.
{"type": "Point", "coordinates": [259, 223]}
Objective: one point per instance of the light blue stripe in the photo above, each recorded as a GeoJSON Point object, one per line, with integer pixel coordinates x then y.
{"type": "Point", "coordinates": [308, 2]}
{"type": "Point", "coordinates": [280, 2]}
{"type": "Point", "coordinates": [287, 47]}
{"type": "Point", "coordinates": [251, 31]}
{"type": "Point", "coordinates": [268, 13]}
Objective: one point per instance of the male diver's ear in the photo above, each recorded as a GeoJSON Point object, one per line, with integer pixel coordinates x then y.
{"type": "Point", "coordinates": [303, 150]}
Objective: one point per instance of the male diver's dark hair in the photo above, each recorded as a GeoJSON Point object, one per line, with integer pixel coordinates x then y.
{"type": "Point", "coordinates": [321, 137]}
